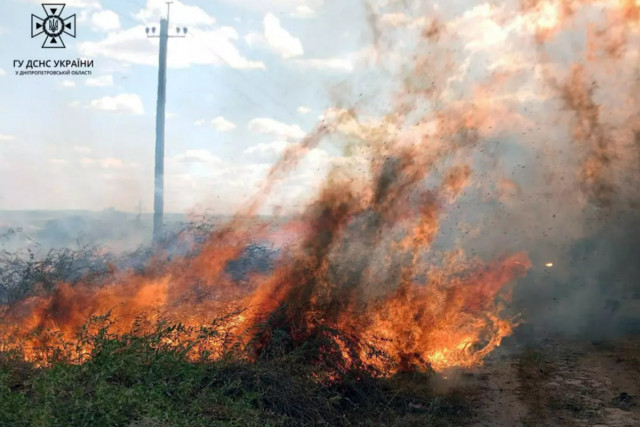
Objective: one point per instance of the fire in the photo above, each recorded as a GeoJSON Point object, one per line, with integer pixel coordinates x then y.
{"type": "Point", "coordinates": [327, 279]}
{"type": "Point", "coordinates": [365, 256]}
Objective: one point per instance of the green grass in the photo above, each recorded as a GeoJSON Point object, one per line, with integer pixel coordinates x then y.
{"type": "Point", "coordinates": [138, 381]}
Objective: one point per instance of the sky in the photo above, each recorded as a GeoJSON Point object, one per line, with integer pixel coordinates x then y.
{"type": "Point", "coordinates": [249, 78]}
{"type": "Point", "coordinates": [253, 77]}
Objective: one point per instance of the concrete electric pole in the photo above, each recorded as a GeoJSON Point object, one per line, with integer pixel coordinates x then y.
{"type": "Point", "coordinates": [158, 198]}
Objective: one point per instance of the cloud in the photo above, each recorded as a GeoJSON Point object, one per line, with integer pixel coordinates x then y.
{"type": "Point", "coordinates": [295, 8]}
{"type": "Point", "coordinates": [303, 11]}
{"type": "Point", "coordinates": [335, 64]}
{"type": "Point", "coordinates": [2, 72]}
{"type": "Point", "coordinates": [348, 62]}
{"type": "Point", "coordinates": [269, 148]}
{"type": "Point", "coordinates": [304, 110]}
{"type": "Point", "coordinates": [280, 39]}
{"type": "Point", "coordinates": [105, 163]}
{"type": "Point", "coordinates": [82, 149]}
{"type": "Point", "coordinates": [100, 81]}
{"type": "Point", "coordinates": [255, 39]}
{"type": "Point", "coordinates": [201, 47]}
{"type": "Point", "coordinates": [274, 128]}
{"type": "Point", "coordinates": [58, 161]}
{"type": "Point", "coordinates": [196, 156]}
{"type": "Point", "coordinates": [4, 137]}
{"type": "Point", "coordinates": [85, 4]}
{"type": "Point", "coordinates": [127, 103]}
{"type": "Point", "coordinates": [210, 180]}
{"type": "Point", "coordinates": [105, 20]}
{"type": "Point", "coordinates": [223, 125]}
{"type": "Point", "coordinates": [205, 44]}
{"type": "Point", "coordinates": [68, 83]}
{"type": "Point", "coordinates": [185, 15]}
{"type": "Point", "coordinates": [111, 163]}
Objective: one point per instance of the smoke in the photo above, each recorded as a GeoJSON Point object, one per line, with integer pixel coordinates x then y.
{"type": "Point", "coordinates": [546, 94]}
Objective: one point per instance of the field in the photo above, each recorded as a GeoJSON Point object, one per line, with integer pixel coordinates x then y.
{"type": "Point", "coordinates": [538, 376]}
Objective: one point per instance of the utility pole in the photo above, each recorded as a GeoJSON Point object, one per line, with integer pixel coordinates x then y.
{"type": "Point", "coordinates": [158, 195]}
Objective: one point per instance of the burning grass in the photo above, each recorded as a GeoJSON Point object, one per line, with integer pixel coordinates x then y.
{"type": "Point", "coordinates": [452, 320]}
{"type": "Point", "coordinates": [151, 380]}
{"type": "Point", "coordinates": [165, 365]}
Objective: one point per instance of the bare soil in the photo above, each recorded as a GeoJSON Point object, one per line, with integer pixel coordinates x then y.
{"type": "Point", "coordinates": [556, 382]}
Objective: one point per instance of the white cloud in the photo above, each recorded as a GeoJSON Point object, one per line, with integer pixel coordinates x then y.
{"type": "Point", "coordinates": [105, 163]}
{"type": "Point", "coordinates": [274, 128]}
{"type": "Point", "coordinates": [4, 137]}
{"type": "Point", "coordinates": [82, 149]}
{"type": "Point", "coordinates": [128, 103]}
{"type": "Point", "coordinates": [205, 43]}
{"type": "Point", "coordinates": [85, 4]}
{"type": "Point", "coordinates": [303, 11]}
{"type": "Point", "coordinates": [187, 15]}
{"type": "Point", "coordinates": [200, 122]}
{"type": "Point", "coordinates": [280, 39]}
{"type": "Point", "coordinates": [223, 125]}
{"type": "Point", "coordinates": [270, 148]}
{"type": "Point", "coordinates": [196, 156]}
{"type": "Point", "coordinates": [58, 161]}
{"type": "Point", "coordinates": [111, 163]}
{"type": "Point", "coordinates": [2, 72]}
{"type": "Point", "coordinates": [304, 110]}
{"type": "Point", "coordinates": [297, 8]}
{"type": "Point", "coordinates": [336, 64]}
{"type": "Point", "coordinates": [100, 81]}
{"type": "Point", "coordinates": [255, 39]}
{"type": "Point", "coordinates": [105, 20]}
{"type": "Point", "coordinates": [68, 83]}
{"type": "Point", "coordinates": [202, 46]}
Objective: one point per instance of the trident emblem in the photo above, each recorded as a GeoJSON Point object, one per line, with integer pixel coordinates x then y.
{"type": "Point", "coordinates": [53, 25]}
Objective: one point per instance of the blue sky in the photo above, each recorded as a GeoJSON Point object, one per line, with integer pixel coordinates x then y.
{"type": "Point", "coordinates": [255, 76]}
{"type": "Point", "coordinates": [250, 78]}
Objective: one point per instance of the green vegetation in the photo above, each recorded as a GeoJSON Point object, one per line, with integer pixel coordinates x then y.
{"type": "Point", "coordinates": [162, 378]}
{"type": "Point", "coordinates": [143, 381]}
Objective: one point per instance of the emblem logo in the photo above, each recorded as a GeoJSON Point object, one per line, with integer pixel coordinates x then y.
{"type": "Point", "coordinates": [53, 25]}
